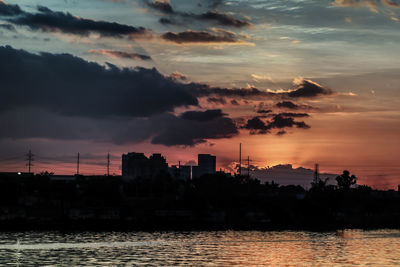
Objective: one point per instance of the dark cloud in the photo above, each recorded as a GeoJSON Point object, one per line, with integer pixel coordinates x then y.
{"type": "Point", "coordinates": [280, 121]}
{"type": "Point", "coordinates": [201, 90]}
{"type": "Point", "coordinates": [162, 6]}
{"type": "Point", "coordinates": [190, 36]}
{"type": "Point", "coordinates": [165, 129]}
{"type": "Point", "coordinates": [264, 111]}
{"type": "Point", "coordinates": [294, 115]}
{"type": "Point", "coordinates": [304, 88]}
{"type": "Point", "coordinates": [308, 88]}
{"type": "Point", "coordinates": [220, 18]}
{"type": "Point", "coordinates": [8, 27]}
{"type": "Point", "coordinates": [52, 21]}
{"type": "Point", "coordinates": [287, 104]}
{"type": "Point", "coordinates": [234, 102]}
{"type": "Point", "coordinates": [70, 85]}
{"type": "Point", "coordinates": [166, 21]}
{"type": "Point", "coordinates": [207, 115]}
{"type": "Point", "coordinates": [281, 132]}
{"type": "Point", "coordinates": [224, 19]}
{"type": "Point", "coordinates": [9, 10]}
{"type": "Point", "coordinates": [256, 125]}
{"type": "Point", "coordinates": [120, 54]}
{"type": "Point", "coordinates": [191, 132]}
{"type": "Point", "coordinates": [216, 100]}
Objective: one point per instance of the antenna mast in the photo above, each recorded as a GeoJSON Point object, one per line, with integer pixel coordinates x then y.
{"type": "Point", "coordinates": [240, 159]}
{"type": "Point", "coordinates": [108, 164]}
{"type": "Point", "coordinates": [248, 166]}
{"type": "Point", "coordinates": [77, 165]}
{"type": "Point", "coordinates": [316, 174]}
{"type": "Point", "coordinates": [29, 158]}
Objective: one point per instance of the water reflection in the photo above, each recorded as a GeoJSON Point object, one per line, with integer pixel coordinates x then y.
{"type": "Point", "coordinates": [237, 248]}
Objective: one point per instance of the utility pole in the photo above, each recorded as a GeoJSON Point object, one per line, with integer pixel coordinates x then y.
{"type": "Point", "coordinates": [108, 164]}
{"type": "Point", "coordinates": [77, 165]}
{"type": "Point", "coordinates": [248, 166]}
{"type": "Point", "coordinates": [316, 174]}
{"type": "Point", "coordinates": [29, 158]}
{"type": "Point", "coordinates": [240, 159]}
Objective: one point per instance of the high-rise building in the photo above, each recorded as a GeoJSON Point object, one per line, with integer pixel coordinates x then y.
{"type": "Point", "coordinates": [207, 165]}
{"type": "Point", "coordinates": [136, 165]}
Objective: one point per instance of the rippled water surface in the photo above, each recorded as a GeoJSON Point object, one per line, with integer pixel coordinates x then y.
{"type": "Point", "coordinates": [223, 248]}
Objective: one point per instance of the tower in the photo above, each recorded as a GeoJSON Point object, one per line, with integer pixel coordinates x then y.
{"type": "Point", "coordinates": [316, 174]}
{"type": "Point", "coordinates": [29, 158]}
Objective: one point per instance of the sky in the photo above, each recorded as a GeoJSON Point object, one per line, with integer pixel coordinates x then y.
{"type": "Point", "coordinates": [297, 82]}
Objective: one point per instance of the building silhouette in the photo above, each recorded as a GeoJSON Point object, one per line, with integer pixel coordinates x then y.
{"type": "Point", "coordinates": [135, 165]}
{"type": "Point", "coordinates": [206, 165]}
{"type": "Point", "coordinates": [180, 172]}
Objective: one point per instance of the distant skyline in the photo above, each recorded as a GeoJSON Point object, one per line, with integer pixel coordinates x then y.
{"type": "Point", "coordinates": [296, 82]}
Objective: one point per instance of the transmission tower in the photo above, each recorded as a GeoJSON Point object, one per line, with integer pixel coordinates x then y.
{"type": "Point", "coordinates": [77, 164]}
{"type": "Point", "coordinates": [240, 159]}
{"type": "Point", "coordinates": [248, 166]}
{"type": "Point", "coordinates": [108, 164]}
{"type": "Point", "coordinates": [29, 158]}
{"type": "Point", "coordinates": [316, 174]}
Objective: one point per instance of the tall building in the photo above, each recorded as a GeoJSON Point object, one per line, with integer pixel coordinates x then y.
{"type": "Point", "coordinates": [206, 165]}
{"type": "Point", "coordinates": [136, 165]}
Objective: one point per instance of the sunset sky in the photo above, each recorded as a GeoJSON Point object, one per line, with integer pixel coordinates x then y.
{"type": "Point", "coordinates": [295, 81]}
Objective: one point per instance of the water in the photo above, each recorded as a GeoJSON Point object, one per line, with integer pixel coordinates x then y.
{"type": "Point", "coordinates": [221, 248]}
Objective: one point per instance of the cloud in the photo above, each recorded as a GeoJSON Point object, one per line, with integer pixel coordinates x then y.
{"type": "Point", "coordinates": [167, 21]}
{"type": "Point", "coordinates": [201, 126]}
{"type": "Point", "coordinates": [52, 21]}
{"type": "Point", "coordinates": [207, 115]}
{"type": "Point", "coordinates": [202, 37]}
{"type": "Point", "coordinates": [164, 129]}
{"type": "Point", "coordinates": [307, 88]}
{"type": "Point", "coordinates": [278, 121]}
{"type": "Point", "coordinates": [287, 104]}
{"type": "Point", "coordinates": [256, 126]}
{"type": "Point", "coordinates": [70, 85]}
{"type": "Point", "coordinates": [177, 76]}
{"type": "Point", "coordinates": [234, 102]}
{"type": "Point", "coordinates": [285, 174]}
{"type": "Point", "coordinates": [10, 10]}
{"type": "Point", "coordinates": [217, 100]}
{"type": "Point", "coordinates": [162, 6]}
{"type": "Point", "coordinates": [373, 5]}
{"type": "Point", "coordinates": [294, 115]}
{"type": "Point", "coordinates": [390, 3]}
{"type": "Point", "coordinates": [303, 89]}
{"type": "Point", "coordinates": [222, 19]}
{"type": "Point", "coordinates": [120, 54]}
{"type": "Point", "coordinates": [264, 111]}
{"type": "Point", "coordinates": [8, 27]}
{"type": "Point", "coordinates": [201, 90]}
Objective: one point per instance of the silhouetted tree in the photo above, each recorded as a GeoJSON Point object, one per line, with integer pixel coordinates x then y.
{"type": "Point", "coordinates": [320, 185]}
{"type": "Point", "coordinates": [344, 181]}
